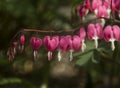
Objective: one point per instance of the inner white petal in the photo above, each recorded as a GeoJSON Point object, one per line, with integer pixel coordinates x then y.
{"type": "Point", "coordinates": [102, 22]}
{"type": "Point", "coordinates": [83, 47]}
{"type": "Point", "coordinates": [71, 56]}
{"type": "Point", "coordinates": [119, 13]}
{"type": "Point", "coordinates": [59, 55]}
{"type": "Point", "coordinates": [112, 40]}
{"type": "Point", "coordinates": [86, 11]}
{"type": "Point", "coordinates": [95, 41]}
{"type": "Point", "coordinates": [96, 11]}
{"type": "Point", "coordinates": [108, 11]}
{"type": "Point", "coordinates": [49, 55]}
{"type": "Point", "coordinates": [35, 54]}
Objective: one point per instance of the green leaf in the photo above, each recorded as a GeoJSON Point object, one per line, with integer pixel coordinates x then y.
{"type": "Point", "coordinates": [94, 60]}
{"type": "Point", "coordinates": [117, 48]}
{"type": "Point", "coordinates": [84, 58]}
{"type": "Point", "coordinates": [90, 47]}
{"type": "Point", "coordinates": [5, 81]}
{"type": "Point", "coordinates": [96, 57]}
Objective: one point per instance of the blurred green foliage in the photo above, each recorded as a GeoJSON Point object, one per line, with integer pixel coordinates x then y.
{"type": "Point", "coordinates": [39, 14]}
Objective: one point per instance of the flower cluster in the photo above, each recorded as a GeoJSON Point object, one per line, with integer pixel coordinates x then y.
{"type": "Point", "coordinates": [75, 43]}
{"type": "Point", "coordinates": [101, 8]}
{"type": "Point", "coordinates": [12, 50]}
{"type": "Point", "coordinates": [70, 43]}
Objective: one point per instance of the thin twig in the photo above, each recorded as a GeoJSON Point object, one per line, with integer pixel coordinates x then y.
{"type": "Point", "coordinates": [109, 58]}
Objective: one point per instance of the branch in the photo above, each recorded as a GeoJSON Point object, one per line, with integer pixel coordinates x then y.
{"type": "Point", "coordinates": [63, 31]}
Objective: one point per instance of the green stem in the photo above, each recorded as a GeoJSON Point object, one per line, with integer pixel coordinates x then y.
{"type": "Point", "coordinates": [46, 76]}
{"type": "Point", "coordinates": [113, 67]}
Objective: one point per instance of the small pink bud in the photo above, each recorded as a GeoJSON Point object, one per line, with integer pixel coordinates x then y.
{"type": "Point", "coordinates": [14, 44]}
{"type": "Point", "coordinates": [22, 40]}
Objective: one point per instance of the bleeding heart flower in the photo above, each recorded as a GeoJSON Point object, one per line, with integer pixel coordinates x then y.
{"type": "Point", "coordinates": [65, 45]}
{"type": "Point", "coordinates": [83, 10]}
{"type": "Point", "coordinates": [76, 43]}
{"type": "Point", "coordinates": [36, 43]}
{"type": "Point", "coordinates": [116, 7]}
{"type": "Point", "coordinates": [21, 41]}
{"type": "Point", "coordinates": [82, 35]}
{"type": "Point", "coordinates": [87, 4]}
{"type": "Point", "coordinates": [103, 11]}
{"type": "Point", "coordinates": [117, 4]}
{"type": "Point", "coordinates": [112, 34]}
{"type": "Point", "coordinates": [96, 4]}
{"type": "Point", "coordinates": [95, 32]}
{"type": "Point", "coordinates": [51, 43]}
{"type": "Point", "coordinates": [69, 43]}
{"type": "Point", "coordinates": [107, 3]}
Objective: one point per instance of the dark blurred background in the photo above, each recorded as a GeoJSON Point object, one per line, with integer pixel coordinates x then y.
{"type": "Point", "coordinates": [95, 68]}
